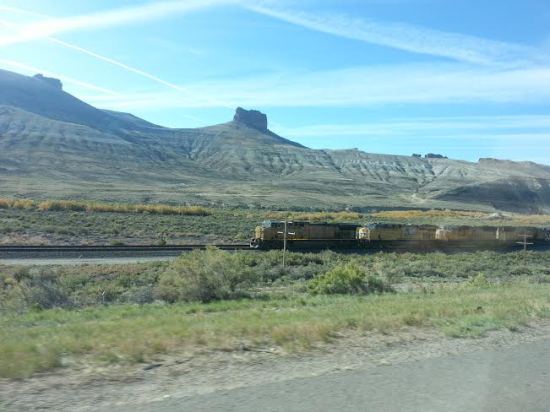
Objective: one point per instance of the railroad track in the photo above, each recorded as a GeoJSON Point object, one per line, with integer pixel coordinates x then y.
{"type": "Point", "coordinates": [110, 248]}
{"type": "Point", "coordinates": [56, 251]}
{"type": "Point", "coordinates": [108, 251]}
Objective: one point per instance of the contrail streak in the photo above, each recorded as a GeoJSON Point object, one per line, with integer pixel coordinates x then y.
{"type": "Point", "coordinates": [117, 63]}
{"type": "Point", "coordinates": [135, 70]}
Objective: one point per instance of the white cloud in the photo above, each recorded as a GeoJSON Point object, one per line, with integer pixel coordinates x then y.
{"type": "Point", "coordinates": [516, 137]}
{"type": "Point", "coordinates": [411, 38]}
{"type": "Point", "coordinates": [406, 37]}
{"type": "Point", "coordinates": [511, 126]}
{"type": "Point", "coordinates": [108, 60]}
{"type": "Point", "coordinates": [115, 17]}
{"type": "Point", "coordinates": [362, 86]}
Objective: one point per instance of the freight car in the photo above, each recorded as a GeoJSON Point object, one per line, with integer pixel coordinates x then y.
{"type": "Point", "coordinates": [383, 236]}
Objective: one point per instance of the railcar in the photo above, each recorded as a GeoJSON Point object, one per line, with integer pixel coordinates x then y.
{"type": "Point", "coordinates": [542, 235]}
{"type": "Point", "coordinates": [389, 236]}
{"type": "Point", "coordinates": [383, 236]}
{"type": "Point", "coordinates": [395, 232]}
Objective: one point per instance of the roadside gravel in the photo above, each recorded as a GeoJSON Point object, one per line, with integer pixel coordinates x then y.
{"type": "Point", "coordinates": [96, 388]}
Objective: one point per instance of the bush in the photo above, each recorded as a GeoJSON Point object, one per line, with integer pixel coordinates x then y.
{"type": "Point", "coordinates": [478, 281]}
{"type": "Point", "coordinates": [25, 288]}
{"type": "Point", "coordinates": [33, 288]}
{"type": "Point", "coordinates": [205, 276]}
{"type": "Point", "coordinates": [348, 279]}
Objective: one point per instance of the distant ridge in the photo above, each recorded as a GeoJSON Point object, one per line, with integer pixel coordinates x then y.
{"type": "Point", "coordinates": [55, 145]}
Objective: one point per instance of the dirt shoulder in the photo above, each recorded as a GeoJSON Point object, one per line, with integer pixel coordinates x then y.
{"type": "Point", "coordinates": [102, 388]}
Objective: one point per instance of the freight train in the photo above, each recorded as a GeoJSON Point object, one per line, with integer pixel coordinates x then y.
{"type": "Point", "coordinates": [384, 236]}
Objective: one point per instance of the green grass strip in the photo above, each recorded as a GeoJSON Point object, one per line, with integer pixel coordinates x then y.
{"type": "Point", "coordinates": [38, 341]}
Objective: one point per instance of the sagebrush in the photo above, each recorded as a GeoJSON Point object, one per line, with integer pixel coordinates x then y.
{"type": "Point", "coordinates": [225, 275]}
{"type": "Point", "coordinates": [205, 276]}
{"type": "Point", "coordinates": [350, 279]}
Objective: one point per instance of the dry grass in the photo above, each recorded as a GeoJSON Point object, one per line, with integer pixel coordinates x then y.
{"type": "Point", "coordinates": [99, 207]}
{"type": "Point", "coordinates": [415, 214]}
{"type": "Point", "coordinates": [466, 217]}
{"type": "Point", "coordinates": [341, 216]}
{"type": "Point", "coordinates": [526, 220]}
{"type": "Point", "coordinates": [16, 203]}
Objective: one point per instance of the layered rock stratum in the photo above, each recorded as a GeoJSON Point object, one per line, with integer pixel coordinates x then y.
{"type": "Point", "coordinates": [55, 145]}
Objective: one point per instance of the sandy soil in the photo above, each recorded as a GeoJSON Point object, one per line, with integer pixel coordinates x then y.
{"type": "Point", "coordinates": [93, 388]}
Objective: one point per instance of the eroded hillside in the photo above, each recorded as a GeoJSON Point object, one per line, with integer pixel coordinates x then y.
{"type": "Point", "coordinates": [54, 145]}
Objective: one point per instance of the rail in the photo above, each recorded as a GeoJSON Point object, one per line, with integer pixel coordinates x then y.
{"type": "Point", "coordinates": [77, 248]}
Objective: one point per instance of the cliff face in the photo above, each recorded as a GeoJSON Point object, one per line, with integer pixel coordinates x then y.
{"type": "Point", "coordinates": [54, 145]}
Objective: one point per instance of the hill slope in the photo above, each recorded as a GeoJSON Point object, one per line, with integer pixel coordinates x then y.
{"type": "Point", "coordinates": [54, 145]}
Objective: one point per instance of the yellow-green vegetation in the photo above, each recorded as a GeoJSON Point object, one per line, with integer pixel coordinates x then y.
{"type": "Point", "coordinates": [135, 313]}
{"type": "Point", "coordinates": [17, 203]}
{"type": "Point", "coordinates": [38, 341]}
{"type": "Point", "coordinates": [102, 207]}
{"type": "Point", "coordinates": [338, 216]}
{"type": "Point", "coordinates": [413, 214]}
{"type": "Point", "coordinates": [348, 279]}
{"type": "Point", "coordinates": [462, 217]}
{"type": "Point", "coordinates": [74, 222]}
{"type": "Point", "coordinates": [206, 276]}
{"type": "Point", "coordinates": [214, 274]}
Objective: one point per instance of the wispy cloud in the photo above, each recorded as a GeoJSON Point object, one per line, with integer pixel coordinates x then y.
{"type": "Point", "coordinates": [115, 17]}
{"type": "Point", "coordinates": [468, 127]}
{"type": "Point", "coordinates": [180, 89]}
{"type": "Point", "coordinates": [118, 64]}
{"type": "Point", "coordinates": [508, 137]}
{"type": "Point", "coordinates": [16, 10]}
{"type": "Point", "coordinates": [174, 46]}
{"type": "Point", "coordinates": [405, 37]}
{"type": "Point", "coordinates": [411, 38]}
{"type": "Point", "coordinates": [359, 87]}
{"type": "Point", "coordinates": [108, 60]}
{"type": "Point", "coordinates": [508, 81]}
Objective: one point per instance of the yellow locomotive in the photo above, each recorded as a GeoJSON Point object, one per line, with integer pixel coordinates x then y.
{"type": "Point", "coordinates": [301, 235]}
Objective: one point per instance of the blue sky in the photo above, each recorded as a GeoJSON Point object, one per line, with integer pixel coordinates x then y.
{"type": "Point", "coordinates": [467, 79]}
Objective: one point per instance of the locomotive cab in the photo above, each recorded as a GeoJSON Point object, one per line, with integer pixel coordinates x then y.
{"type": "Point", "coordinates": [301, 235]}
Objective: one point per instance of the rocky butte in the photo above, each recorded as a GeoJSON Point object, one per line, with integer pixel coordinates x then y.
{"type": "Point", "coordinates": [50, 81]}
{"type": "Point", "coordinates": [251, 118]}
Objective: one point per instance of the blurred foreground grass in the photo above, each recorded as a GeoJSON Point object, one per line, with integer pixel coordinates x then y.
{"type": "Point", "coordinates": [51, 316]}
{"type": "Point", "coordinates": [42, 340]}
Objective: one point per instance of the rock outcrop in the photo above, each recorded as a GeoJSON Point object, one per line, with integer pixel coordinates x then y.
{"type": "Point", "coordinates": [56, 83]}
{"type": "Point", "coordinates": [434, 156]}
{"type": "Point", "coordinates": [251, 118]}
